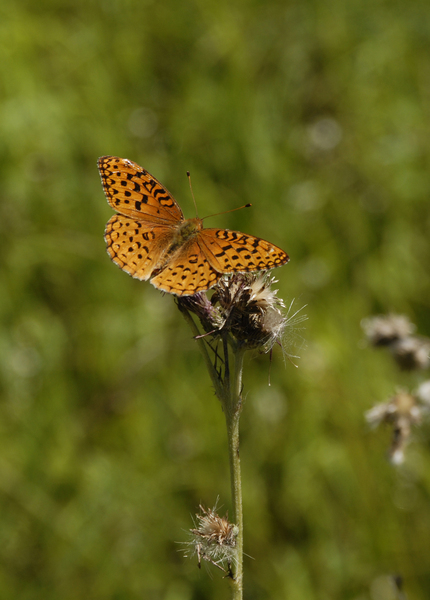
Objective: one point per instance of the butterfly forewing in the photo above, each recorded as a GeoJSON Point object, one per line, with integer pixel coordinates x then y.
{"type": "Point", "coordinates": [232, 251]}
{"type": "Point", "coordinates": [134, 192]}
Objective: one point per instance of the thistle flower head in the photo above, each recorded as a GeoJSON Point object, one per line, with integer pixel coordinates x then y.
{"type": "Point", "coordinates": [251, 309]}
{"type": "Point", "coordinates": [423, 393]}
{"type": "Point", "coordinates": [214, 538]}
{"type": "Point", "coordinates": [411, 353]}
{"type": "Point", "coordinates": [210, 317]}
{"type": "Point", "coordinates": [383, 330]}
{"type": "Point", "coordinates": [401, 412]}
{"type": "Point", "coordinates": [245, 306]}
{"type": "Point", "coordinates": [396, 332]}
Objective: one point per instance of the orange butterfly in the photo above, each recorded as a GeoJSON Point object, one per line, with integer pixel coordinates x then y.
{"type": "Point", "coordinates": [150, 239]}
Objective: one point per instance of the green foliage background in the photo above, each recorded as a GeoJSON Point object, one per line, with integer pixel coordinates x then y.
{"type": "Point", "coordinates": [317, 112]}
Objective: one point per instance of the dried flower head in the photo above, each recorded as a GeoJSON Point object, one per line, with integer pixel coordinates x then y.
{"type": "Point", "coordinates": [210, 317]}
{"type": "Point", "coordinates": [401, 412]}
{"type": "Point", "coordinates": [411, 353]}
{"type": "Point", "coordinates": [383, 330]}
{"type": "Point", "coordinates": [395, 332]}
{"type": "Point", "coordinates": [423, 393]}
{"type": "Point", "coordinates": [245, 306]}
{"type": "Point", "coordinates": [214, 539]}
{"type": "Point", "coordinates": [251, 309]}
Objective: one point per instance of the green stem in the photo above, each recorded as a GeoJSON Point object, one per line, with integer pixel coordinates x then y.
{"type": "Point", "coordinates": [232, 409]}
{"type": "Point", "coordinates": [230, 396]}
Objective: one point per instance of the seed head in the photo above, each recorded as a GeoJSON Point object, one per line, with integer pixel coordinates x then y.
{"type": "Point", "coordinates": [411, 353]}
{"type": "Point", "coordinates": [252, 309]}
{"type": "Point", "coordinates": [210, 317]}
{"type": "Point", "coordinates": [245, 306]}
{"type": "Point", "coordinates": [214, 539]}
{"type": "Point", "coordinates": [396, 332]}
{"type": "Point", "coordinates": [383, 330]}
{"type": "Point", "coordinates": [401, 412]}
{"type": "Point", "coordinates": [423, 393]}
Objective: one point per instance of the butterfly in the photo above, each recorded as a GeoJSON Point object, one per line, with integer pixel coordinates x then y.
{"type": "Point", "coordinates": [149, 238]}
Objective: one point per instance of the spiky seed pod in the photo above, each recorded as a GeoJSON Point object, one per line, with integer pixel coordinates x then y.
{"type": "Point", "coordinates": [214, 539]}
{"type": "Point", "coordinates": [383, 330]}
{"type": "Point", "coordinates": [243, 305]}
{"type": "Point", "coordinates": [411, 353]}
{"type": "Point", "coordinates": [401, 412]}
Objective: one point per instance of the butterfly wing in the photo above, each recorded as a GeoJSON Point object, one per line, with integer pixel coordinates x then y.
{"type": "Point", "coordinates": [187, 271]}
{"type": "Point", "coordinates": [133, 192]}
{"type": "Point", "coordinates": [147, 238]}
{"type": "Point", "coordinates": [232, 251]}
{"type": "Point", "coordinates": [137, 247]}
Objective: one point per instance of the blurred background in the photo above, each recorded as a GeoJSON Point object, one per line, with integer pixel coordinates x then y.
{"type": "Point", "coordinates": [318, 113]}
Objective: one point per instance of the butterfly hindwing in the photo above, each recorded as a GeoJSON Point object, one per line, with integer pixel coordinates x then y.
{"type": "Point", "coordinates": [137, 247]}
{"type": "Point", "coordinates": [232, 251]}
{"type": "Point", "coordinates": [187, 272]}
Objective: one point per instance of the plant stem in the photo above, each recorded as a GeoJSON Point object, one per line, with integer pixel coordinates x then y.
{"type": "Point", "coordinates": [232, 408]}
{"type": "Point", "coordinates": [229, 393]}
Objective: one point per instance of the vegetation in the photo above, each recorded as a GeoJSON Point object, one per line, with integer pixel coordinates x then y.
{"type": "Point", "coordinates": [111, 436]}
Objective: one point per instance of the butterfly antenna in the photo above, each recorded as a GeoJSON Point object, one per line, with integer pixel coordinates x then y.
{"type": "Point", "coordinates": [192, 194]}
{"type": "Point", "coordinates": [228, 211]}
{"type": "Point", "coordinates": [216, 214]}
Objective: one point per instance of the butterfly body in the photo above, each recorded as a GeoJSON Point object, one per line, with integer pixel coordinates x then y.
{"type": "Point", "coordinates": [181, 237]}
{"type": "Point", "coordinates": [149, 238]}
{"type": "Point", "coordinates": [188, 229]}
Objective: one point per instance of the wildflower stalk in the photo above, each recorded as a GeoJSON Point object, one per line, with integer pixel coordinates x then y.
{"type": "Point", "coordinates": [229, 393]}
{"type": "Point", "coordinates": [243, 313]}
{"type": "Point", "coordinates": [232, 408]}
